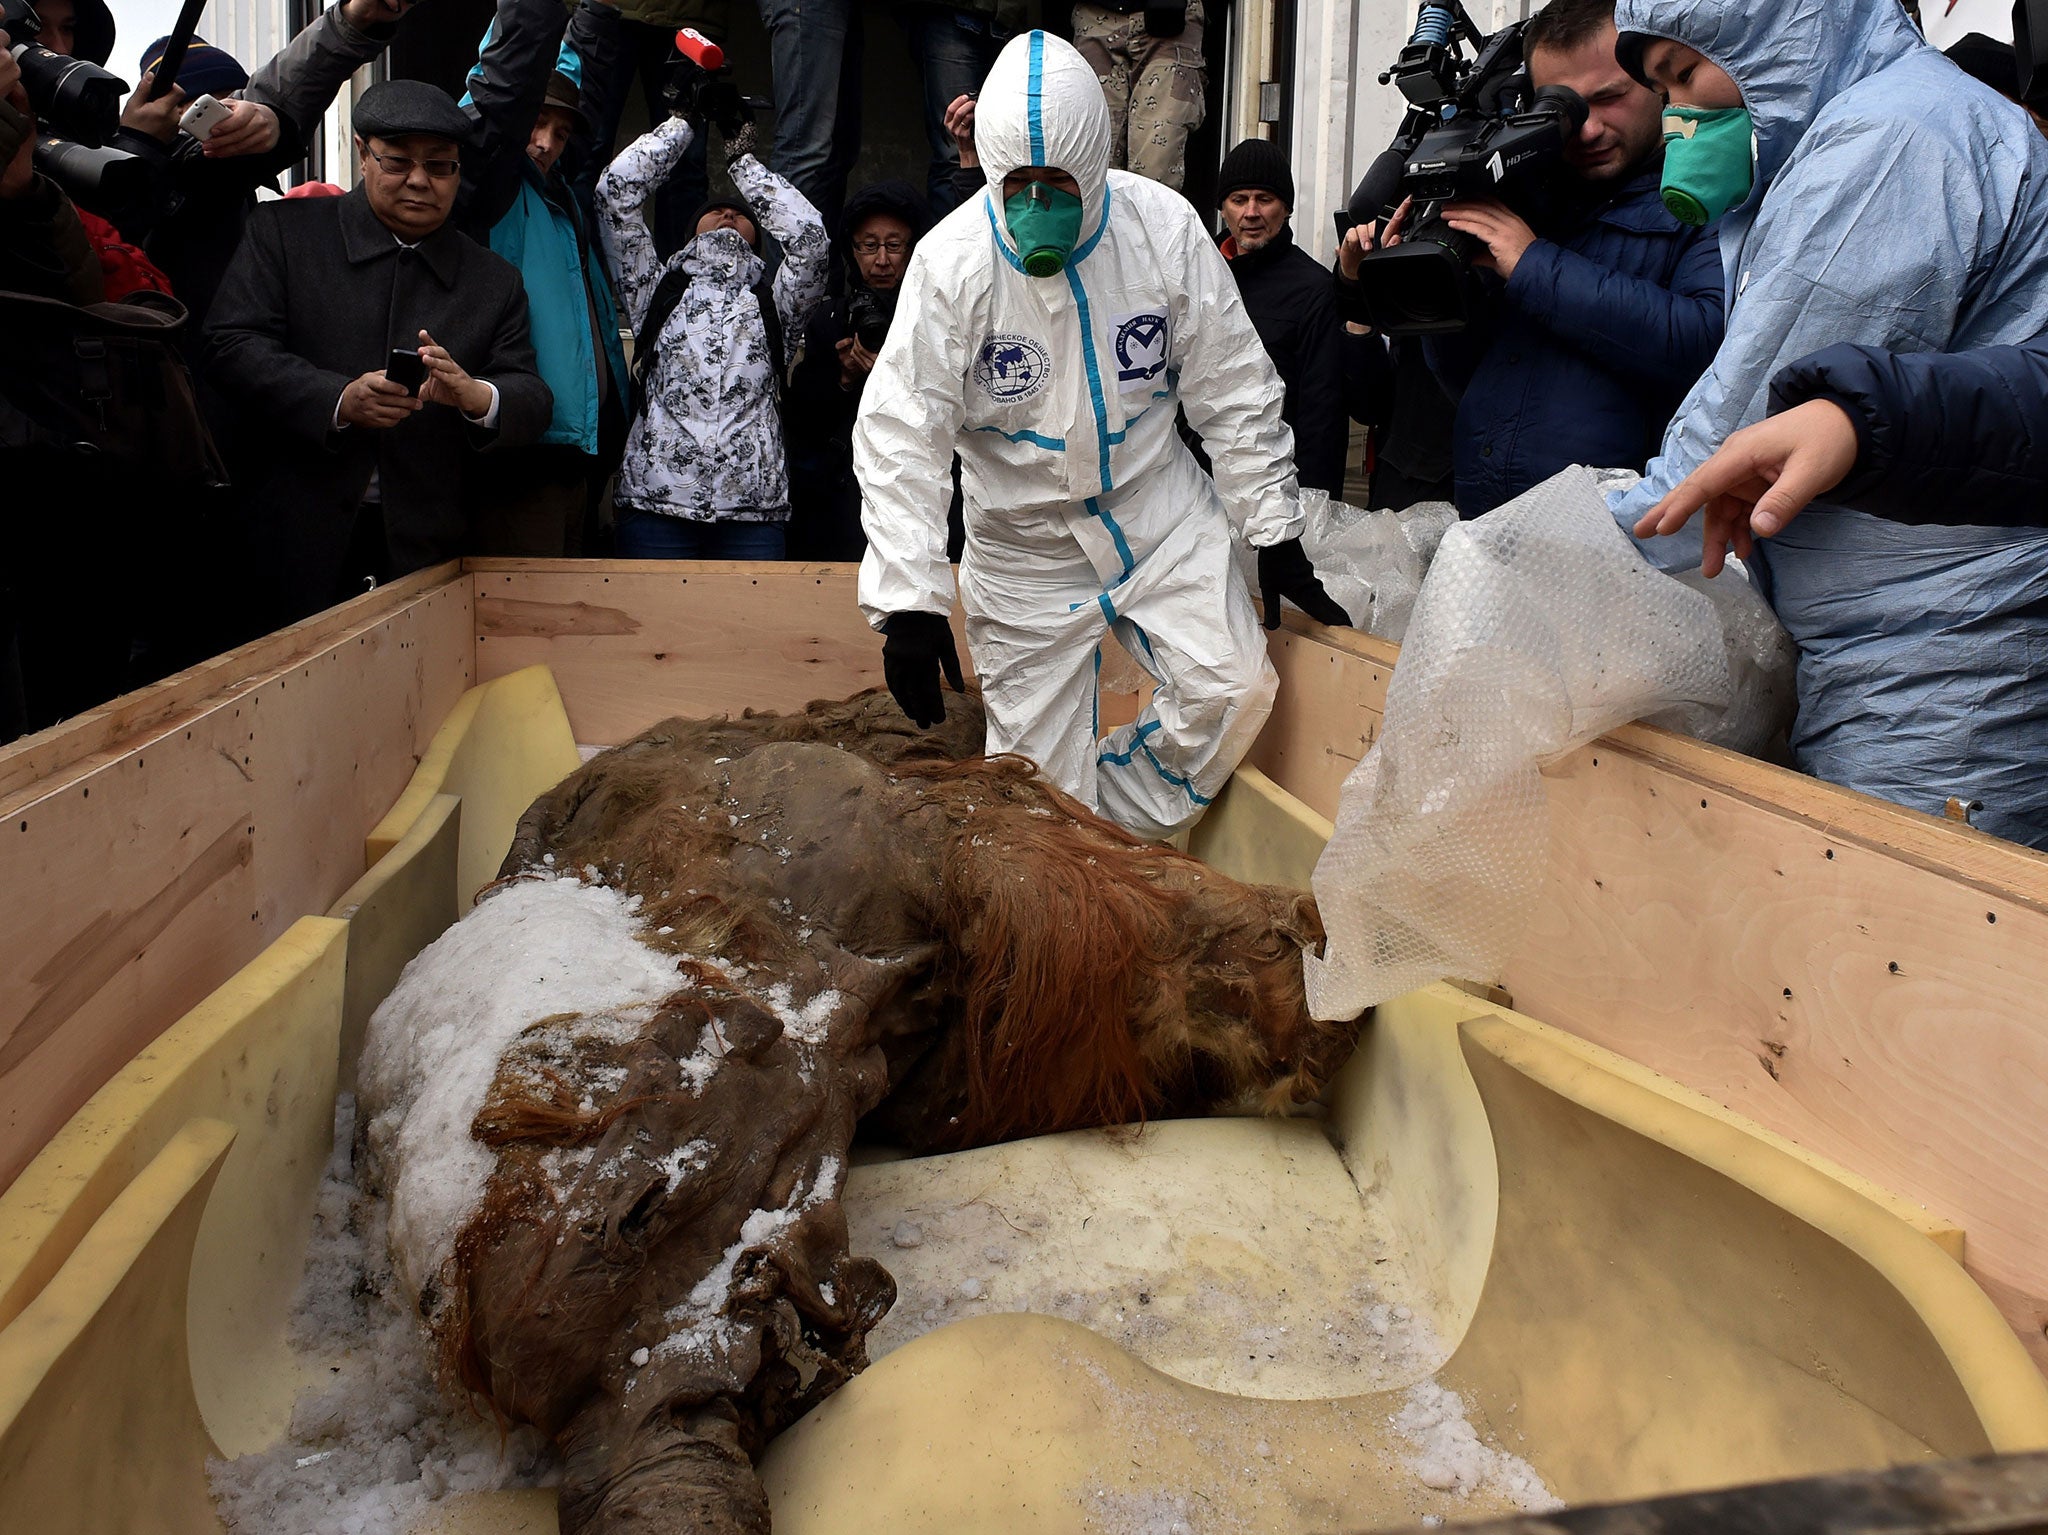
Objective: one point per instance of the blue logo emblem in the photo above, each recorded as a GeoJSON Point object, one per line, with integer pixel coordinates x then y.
{"type": "Point", "coordinates": [1012, 368]}
{"type": "Point", "coordinates": [1140, 346]}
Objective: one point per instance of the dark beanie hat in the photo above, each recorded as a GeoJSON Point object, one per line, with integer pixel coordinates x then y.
{"type": "Point", "coordinates": [1256, 166]}
{"type": "Point", "coordinates": [207, 70]}
{"type": "Point", "coordinates": [738, 205]}
{"type": "Point", "coordinates": [391, 109]}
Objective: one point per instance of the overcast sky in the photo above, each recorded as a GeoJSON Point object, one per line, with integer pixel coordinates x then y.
{"type": "Point", "coordinates": [137, 24]}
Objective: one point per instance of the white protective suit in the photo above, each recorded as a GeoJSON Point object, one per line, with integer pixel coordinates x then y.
{"type": "Point", "coordinates": [1086, 515]}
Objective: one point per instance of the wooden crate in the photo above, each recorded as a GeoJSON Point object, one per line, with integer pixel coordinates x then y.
{"type": "Point", "coordinates": [1865, 980]}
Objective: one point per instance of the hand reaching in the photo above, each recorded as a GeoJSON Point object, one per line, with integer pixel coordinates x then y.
{"type": "Point", "coordinates": [1760, 479]}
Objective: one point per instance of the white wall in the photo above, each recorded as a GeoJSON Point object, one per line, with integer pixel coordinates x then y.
{"type": "Point", "coordinates": [1343, 116]}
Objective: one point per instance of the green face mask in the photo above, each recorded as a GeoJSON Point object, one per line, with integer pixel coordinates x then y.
{"type": "Point", "coordinates": [1046, 224]}
{"type": "Point", "coordinates": [1709, 161]}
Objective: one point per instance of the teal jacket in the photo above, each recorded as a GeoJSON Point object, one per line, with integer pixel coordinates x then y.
{"type": "Point", "coordinates": [535, 224]}
{"type": "Point", "coordinates": [566, 287]}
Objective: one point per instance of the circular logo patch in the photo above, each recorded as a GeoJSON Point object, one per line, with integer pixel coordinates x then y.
{"type": "Point", "coordinates": [1012, 368]}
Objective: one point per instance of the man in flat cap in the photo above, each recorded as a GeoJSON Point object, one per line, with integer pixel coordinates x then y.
{"type": "Point", "coordinates": [355, 476]}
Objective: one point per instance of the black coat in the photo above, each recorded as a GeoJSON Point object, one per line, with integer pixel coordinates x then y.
{"type": "Point", "coordinates": [320, 293]}
{"type": "Point", "coordinates": [1957, 438]}
{"type": "Point", "coordinates": [1294, 309]}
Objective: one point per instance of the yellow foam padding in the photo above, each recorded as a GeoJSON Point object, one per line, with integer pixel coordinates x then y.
{"type": "Point", "coordinates": [1415, 1135]}
{"type": "Point", "coordinates": [1029, 1423]}
{"type": "Point", "coordinates": [1221, 1247]}
{"type": "Point", "coordinates": [99, 1431]}
{"type": "Point", "coordinates": [1256, 831]}
{"type": "Point", "coordinates": [259, 1054]}
{"type": "Point", "coordinates": [1669, 1302]}
{"type": "Point", "coordinates": [503, 745]}
{"type": "Point", "coordinates": [1675, 1301]}
{"type": "Point", "coordinates": [405, 901]}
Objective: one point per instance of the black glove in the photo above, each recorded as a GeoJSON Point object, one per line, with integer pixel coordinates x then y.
{"type": "Point", "coordinates": [916, 648]}
{"type": "Point", "coordinates": [1166, 18]}
{"type": "Point", "coordinates": [1284, 571]}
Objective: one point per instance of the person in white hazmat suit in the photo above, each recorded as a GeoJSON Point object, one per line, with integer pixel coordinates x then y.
{"type": "Point", "coordinates": [1049, 331]}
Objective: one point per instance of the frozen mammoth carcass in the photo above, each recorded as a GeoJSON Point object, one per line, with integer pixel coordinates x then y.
{"type": "Point", "coordinates": [612, 1107]}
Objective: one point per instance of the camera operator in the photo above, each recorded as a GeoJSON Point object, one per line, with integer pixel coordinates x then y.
{"type": "Point", "coordinates": [1598, 326]}
{"type": "Point", "coordinates": [881, 227]}
{"type": "Point", "coordinates": [43, 248]}
{"type": "Point", "coordinates": [74, 116]}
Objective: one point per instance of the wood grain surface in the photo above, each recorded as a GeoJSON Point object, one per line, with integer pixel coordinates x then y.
{"type": "Point", "coordinates": [1866, 980]}
{"type": "Point", "coordinates": [175, 833]}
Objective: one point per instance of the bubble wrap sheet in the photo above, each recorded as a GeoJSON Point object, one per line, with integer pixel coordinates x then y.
{"type": "Point", "coordinates": [1537, 629]}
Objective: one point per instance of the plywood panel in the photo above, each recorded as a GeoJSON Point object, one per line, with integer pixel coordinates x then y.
{"type": "Point", "coordinates": [141, 875]}
{"type": "Point", "coordinates": [1865, 980]}
{"type": "Point", "coordinates": [1327, 713]}
{"type": "Point", "coordinates": [632, 642]}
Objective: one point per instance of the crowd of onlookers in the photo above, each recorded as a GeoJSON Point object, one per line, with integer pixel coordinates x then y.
{"type": "Point", "coordinates": [222, 409]}
{"type": "Point", "coordinates": [255, 433]}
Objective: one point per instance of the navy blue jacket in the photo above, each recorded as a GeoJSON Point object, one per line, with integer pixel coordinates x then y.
{"type": "Point", "coordinates": [1956, 438]}
{"type": "Point", "coordinates": [1590, 347]}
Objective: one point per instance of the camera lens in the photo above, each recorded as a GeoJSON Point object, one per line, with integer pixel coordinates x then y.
{"type": "Point", "coordinates": [75, 96]}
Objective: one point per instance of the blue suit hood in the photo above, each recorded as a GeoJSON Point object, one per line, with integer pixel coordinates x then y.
{"type": "Point", "coordinates": [1789, 59]}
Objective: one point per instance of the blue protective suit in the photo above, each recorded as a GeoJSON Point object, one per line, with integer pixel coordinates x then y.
{"type": "Point", "coordinates": [1898, 204]}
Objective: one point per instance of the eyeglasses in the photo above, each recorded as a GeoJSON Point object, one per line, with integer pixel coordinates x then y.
{"type": "Point", "coordinates": [876, 247]}
{"type": "Point", "coordinates": [401, 165]}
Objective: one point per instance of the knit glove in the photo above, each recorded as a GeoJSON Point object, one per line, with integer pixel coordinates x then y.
{"type": "Point", "coordinates": [1285, 571]}
{"type": "Point", "coordinates": [916, 648]}
{"type": "Point", "coordinates": [740, 141]}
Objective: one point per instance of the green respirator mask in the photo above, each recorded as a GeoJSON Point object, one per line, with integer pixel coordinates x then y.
{"type": "Point", "coordinates": [1709, 161]}
{"type": "Point", "coordinates": [1045, 221]}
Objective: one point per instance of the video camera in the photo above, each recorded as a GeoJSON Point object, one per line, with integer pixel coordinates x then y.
{"type": "Point", "coordinates": [699, 84]}
{"type": "Point", "coordinates": [1475, 128]}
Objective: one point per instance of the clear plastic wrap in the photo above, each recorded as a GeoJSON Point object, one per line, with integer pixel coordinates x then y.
{"type": "Point", "coordinates": [1538, 628]}
{"type": "Point", "coordinates": [1371, 563]}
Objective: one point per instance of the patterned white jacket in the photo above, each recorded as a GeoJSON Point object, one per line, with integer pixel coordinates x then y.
{"type": "Point", "coordinates": [707, 444]}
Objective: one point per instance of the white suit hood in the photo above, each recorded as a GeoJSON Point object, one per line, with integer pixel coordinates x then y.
{"type": "Point", "coordinates": [1042, 105]}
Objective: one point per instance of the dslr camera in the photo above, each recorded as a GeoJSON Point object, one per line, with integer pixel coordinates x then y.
{"type": "Point", "coordinates": [1475, 128]}
{"type": "Point", "coordinates": [868, 314]}
{"type": "Point", "coordinates": [78, 108]}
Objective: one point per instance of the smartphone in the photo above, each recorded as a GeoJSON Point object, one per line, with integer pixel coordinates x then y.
{"type": "Point", "coordinates": [407, 368]}
{"type": "Point", "coordinates": [203, 116]}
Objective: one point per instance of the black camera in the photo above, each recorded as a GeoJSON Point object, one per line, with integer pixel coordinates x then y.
{"type": "Point", "coordinates": [73, 95]}
{"type": "Point", "coordinates": [699, 84]}
{"type": "Point", "coordinates": [1475, 128]}
{"type": "Point", "coordinates": [868, 313]}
